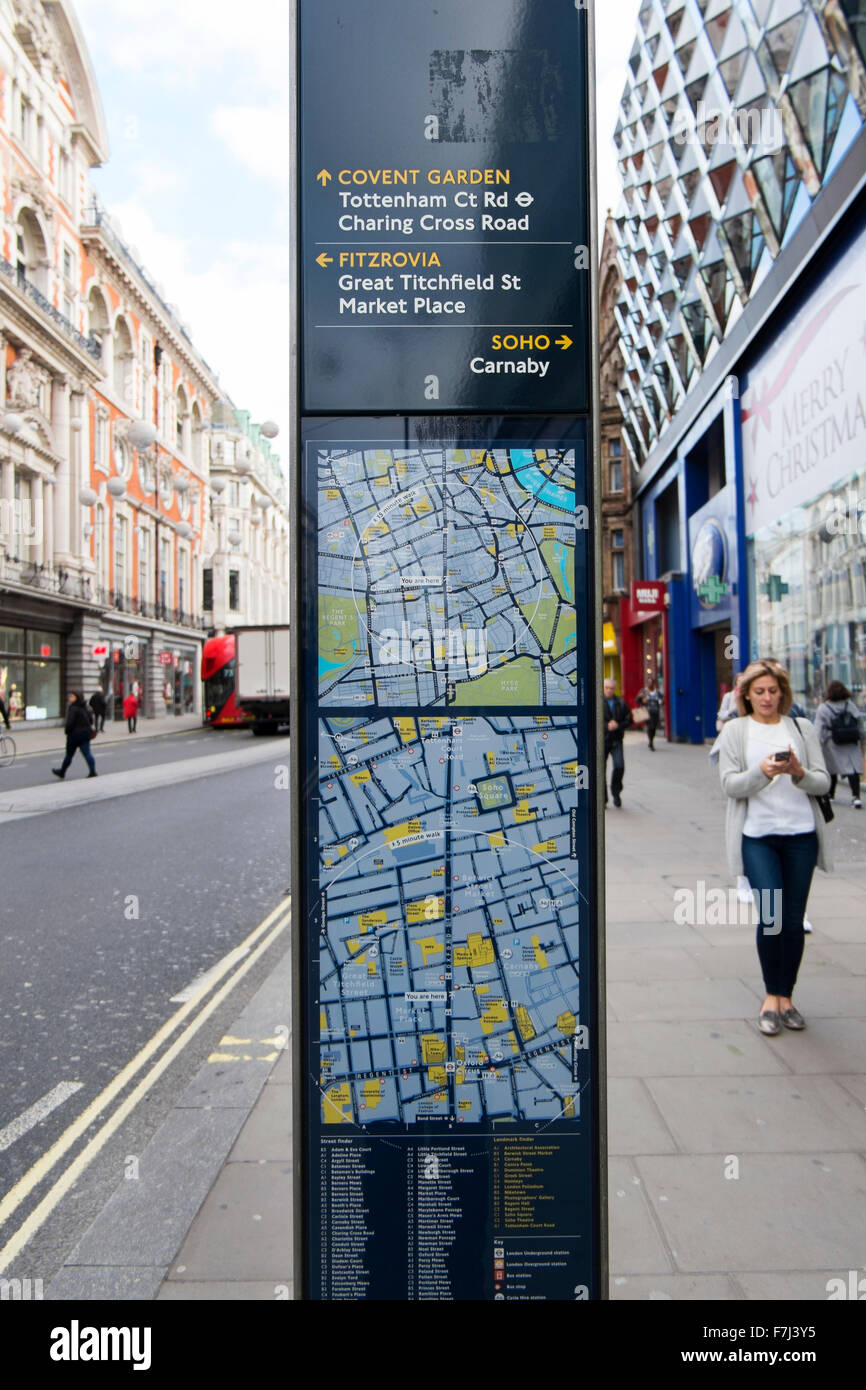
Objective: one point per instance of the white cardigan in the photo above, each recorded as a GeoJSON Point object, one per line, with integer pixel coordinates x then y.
{"type": "Point", "coordinates": [740, 782]}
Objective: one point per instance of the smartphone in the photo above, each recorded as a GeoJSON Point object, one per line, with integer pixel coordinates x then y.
{"type": "Point", "coordinates": [782, 757]}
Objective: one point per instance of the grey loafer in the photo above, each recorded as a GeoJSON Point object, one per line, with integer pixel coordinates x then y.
{"type": "Point", "coordinates": [792, 1019]}
{"type": "Point", "coordinates": [768, 1023]}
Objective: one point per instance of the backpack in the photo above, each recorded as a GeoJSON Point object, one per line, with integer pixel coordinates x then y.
{"type": "Point", "coordinates": [845, 727]}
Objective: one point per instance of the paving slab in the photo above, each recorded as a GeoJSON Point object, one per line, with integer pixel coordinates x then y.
{"type": "Point", "coordinates": [764, 1114]}
{"type": "Point", "coordinates": [855, 1085]}
{"type": "Point", "coordinates": [847, 957]}
{"type": "Point", "coordinates": [663, 999]}
{"type": "Point", "coordinates": [651, 963]}
{"type": "Point", "coordinates": [641, 934]}
{"type": "Point", "coordinates": [225, 1291]}
{"type": "Point", "coordinates": [829, 1046]}
{"type": "Point", "coordinates": [665, 1048]}
{"type": "Point", "coordinates": [805, 1286]}
{"type": "Point", "coordinates": [784, 1212]}
{"type": "Point", "coordinates": [676, 1288]}
{"type": "Point", "coordinates": [634, 1123]}
{"type": "Point", "coordinates": [225, 1085]}
{"type": "Point", "coordinates": [244, 1230]}
{"type": "Point", "coordinates": [636, 1246]}
{"type": "Point", "coordinates": [133, 1284]}
{"type": "Point", "coordinates": [267, 1135]}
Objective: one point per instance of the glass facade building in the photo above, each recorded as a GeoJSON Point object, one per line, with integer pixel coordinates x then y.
{"type": "Point", "coordinates": [742, 155]}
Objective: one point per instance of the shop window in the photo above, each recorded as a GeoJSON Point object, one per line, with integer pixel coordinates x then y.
{"type": "Point", "coordinates": [30, 672]}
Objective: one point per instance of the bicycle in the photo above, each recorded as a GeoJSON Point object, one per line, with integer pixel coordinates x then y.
{"type": "Point", "coordinates": [7, 749]}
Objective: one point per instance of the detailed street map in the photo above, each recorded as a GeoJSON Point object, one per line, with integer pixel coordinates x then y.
{"type": "Point", "coordinates": [447, 577]}
{"type": "Point", "coordinates": [449, 983]}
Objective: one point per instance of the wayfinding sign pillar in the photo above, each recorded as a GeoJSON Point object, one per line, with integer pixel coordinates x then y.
{"type": "Point", "coordinates": [446, 884]}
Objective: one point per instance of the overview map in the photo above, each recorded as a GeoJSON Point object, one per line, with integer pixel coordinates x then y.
{"type": "Point", "coordinates": [447, 577]}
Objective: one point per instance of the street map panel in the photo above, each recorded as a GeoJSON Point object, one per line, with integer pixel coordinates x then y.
{"type": "Point", "coordinates": [448, 957]}
{"type": "Point", "coordinates": [447, 577]}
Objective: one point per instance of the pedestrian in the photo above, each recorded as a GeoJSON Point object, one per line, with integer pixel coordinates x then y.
{"type": "Point", "coordinates": [728, 708]}
{"type": "Point", "coordinates": [773, 772]}
{"type": "Point", "coordinates": [130, 711]}
{"type": "Point", "coordinates": [97, 704]}
{"type": "Point", "coordinates": [78, 735]}
{"type": "Point", "coordinates": [838, 727]}
{"type": "Point", "coordinates": [650, 699]}
{"type": "Point", "coordinates": [4, 712]}
{"type": "Point", "coordinates": [617, 718]}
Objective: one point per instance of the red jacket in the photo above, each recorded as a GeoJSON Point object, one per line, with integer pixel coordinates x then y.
{"type": "Point", "coordinates": [130, 706]}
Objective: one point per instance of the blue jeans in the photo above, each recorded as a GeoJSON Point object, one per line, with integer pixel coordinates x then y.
{"type": "Point", "coordinates": [780, 865]}
{"type": "Point", "coordinates": [615, 752]}
{"type": "Point", "coordinates": [78, 740]}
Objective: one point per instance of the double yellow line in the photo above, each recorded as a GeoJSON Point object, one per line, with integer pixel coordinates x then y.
{"type": "Point", "coordinates": [264, 934]}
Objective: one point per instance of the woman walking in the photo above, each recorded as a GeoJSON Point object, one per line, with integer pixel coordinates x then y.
{"type": "Point", "coordinates": [772, 769]}
{"type": "Point", "coordinates": [130, 711]}
{"type": "Point", "coordinates": [78, 734]}
{"type": "Point", "coordinates": [651, 701]}
{"type": "Point", "coordinates": [837, 725]}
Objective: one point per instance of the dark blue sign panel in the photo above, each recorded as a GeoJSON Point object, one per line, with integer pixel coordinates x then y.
{"type": "Point", "coordinates": [444, 205]}
{"type": "Point", "coordinates": [450, 1056]}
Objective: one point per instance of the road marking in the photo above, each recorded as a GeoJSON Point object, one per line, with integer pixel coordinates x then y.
{"type": "Point", "coordinates": [31, 1117]}
{"type": "Point", "coordinates": [202, 983]}
{"type": "Point", "coordinates": [281, 915]}
{"type": "Point", "coordinates": [70, 1175]}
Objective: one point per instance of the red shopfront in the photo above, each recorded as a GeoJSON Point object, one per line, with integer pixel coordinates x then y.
{"type": "Point", "coordinates": [645, 640]}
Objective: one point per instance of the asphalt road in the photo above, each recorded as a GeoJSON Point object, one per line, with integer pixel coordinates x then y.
{"type": "Point", "coordinates": [34, 769]}
{"type": "Point", "coordinates": [109, 910]}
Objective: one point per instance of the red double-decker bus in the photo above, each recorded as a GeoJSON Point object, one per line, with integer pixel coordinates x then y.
{"type": "Point", "coordinates": [218, 678]}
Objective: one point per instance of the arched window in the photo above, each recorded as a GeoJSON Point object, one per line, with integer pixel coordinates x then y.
{"type": "Point", "coordinates": [123, 374]}
{"type": "Point", "coordinates": [31, 251]}
{"type": "Point", "coordinates": [99, 323]}
{"type": "Point", "coordinates": [181, 421]}
{"type": "Point", "coordinates": [195, 431]}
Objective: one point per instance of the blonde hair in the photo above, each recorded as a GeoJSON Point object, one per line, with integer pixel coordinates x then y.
{"type": "Point", "coordinates": [765, 667]}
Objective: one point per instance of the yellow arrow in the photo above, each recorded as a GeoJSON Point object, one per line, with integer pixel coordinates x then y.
{"type": "Point", "coordinates": [324, 177]}
{"type": "Point", "coordinates": [324, 259]}
{"type": "Point", "coordinates": [564, 342]}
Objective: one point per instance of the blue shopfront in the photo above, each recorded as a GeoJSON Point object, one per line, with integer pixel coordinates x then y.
{"type": "Point", "coordinates": [693, 541]}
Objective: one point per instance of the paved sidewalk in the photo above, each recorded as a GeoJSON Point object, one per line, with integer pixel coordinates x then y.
{"type": "Point", "coordinates": [738, 1162]}
{"type": "Point", "coordinates": [49, 738]}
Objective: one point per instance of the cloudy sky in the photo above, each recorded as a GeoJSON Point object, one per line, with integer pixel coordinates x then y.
{"type": "Point", "coordinates": [196, 101]}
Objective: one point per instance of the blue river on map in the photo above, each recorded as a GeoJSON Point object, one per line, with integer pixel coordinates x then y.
{"type": "Point", "coordinates": [561, 554]}
{"type": "Point", "coordinates": [530, 476]}
{"type": "Point", "coordinates": [326, 666]}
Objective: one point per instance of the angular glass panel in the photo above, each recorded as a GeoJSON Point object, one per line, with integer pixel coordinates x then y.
{"type": "Point", "coordinates": [716, 30]}
{"type": "Point", "coordinates": [731, 70]}
{"type": "Point", "coordinates": [782, 41]}
{"type": "Point", "coordinates": [684, 55]}
{"type": "Point", "coordinates": [819, 102]}
{"type": "Point", "coordinates": [746, 241]}
{"type": "Point", "coordinates": [778, 180]}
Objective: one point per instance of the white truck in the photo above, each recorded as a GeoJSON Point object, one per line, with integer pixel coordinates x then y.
{"type": "Point", "coordinates": [263, 676]}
